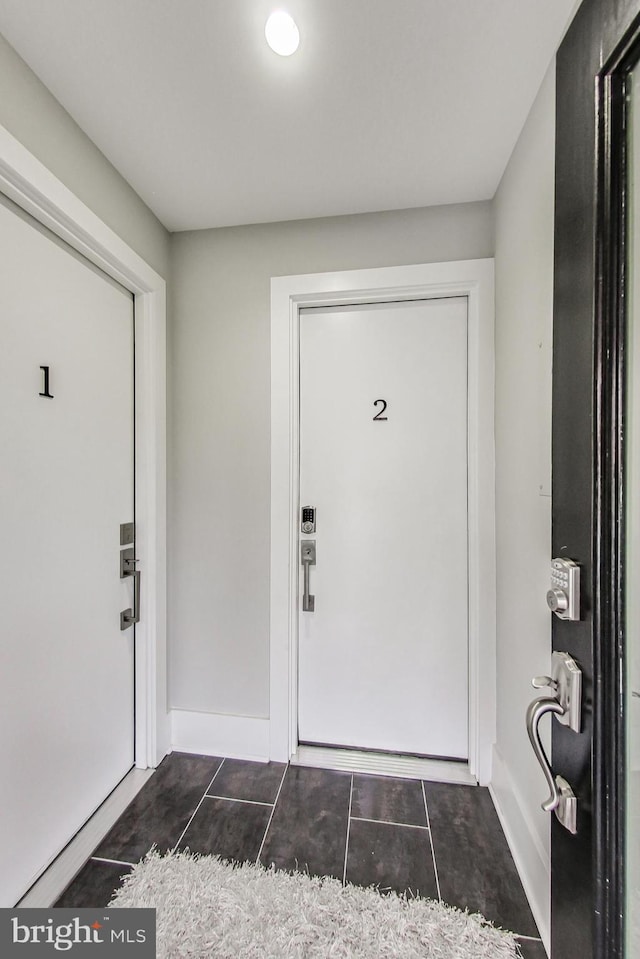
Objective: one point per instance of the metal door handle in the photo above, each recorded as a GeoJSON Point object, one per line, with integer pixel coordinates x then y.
{"type": "Point", "coordinates": [128, 617]}
{"type": "Point", "coordinates": [307, 558]}
{"type": "Point", "coordinates": [536, 710]}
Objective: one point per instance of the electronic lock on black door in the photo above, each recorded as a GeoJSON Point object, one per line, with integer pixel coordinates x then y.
{"type": "Point", "coordinates": [563, 598]}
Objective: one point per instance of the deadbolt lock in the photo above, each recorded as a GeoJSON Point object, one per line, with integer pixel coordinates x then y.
{"type": "Point", "coordinates": [563, 598]}
{"type": "Point", "coordinates": [308, 520]}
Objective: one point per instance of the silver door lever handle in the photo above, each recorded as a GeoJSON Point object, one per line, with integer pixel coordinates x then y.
{"type": "Point", "coordinates": [128, 617]}
{"type": "Point", "coordinates": [536, 710]}
{"type": "Point", "coordinates": [132, 616]}
{"type": "Point", "coordinates": [308, 559]}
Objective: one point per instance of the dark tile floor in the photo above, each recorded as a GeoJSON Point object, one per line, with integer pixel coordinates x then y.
{"type": "Point", "coordinates": [429, 839]}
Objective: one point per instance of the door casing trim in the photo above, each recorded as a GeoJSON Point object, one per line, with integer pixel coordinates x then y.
{"type": "Point", "coordinates": [26, 181]}
{"type": "Point", "coordinates": [473, 279]}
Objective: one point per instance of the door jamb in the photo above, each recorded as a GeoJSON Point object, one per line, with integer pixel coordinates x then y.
{"type": "Point", "coordinates": [475, 280]}
{"type": "Point", "coordinates": [26, 181]}
{"type": "Point", "coordinates": [612, 299]}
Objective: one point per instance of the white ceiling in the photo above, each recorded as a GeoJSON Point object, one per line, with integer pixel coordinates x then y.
{"type": "Point", "coordinates": [387, 104]}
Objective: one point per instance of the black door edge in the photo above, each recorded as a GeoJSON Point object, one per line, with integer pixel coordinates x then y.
{"type": "Point", "coordinates": [610, 378]}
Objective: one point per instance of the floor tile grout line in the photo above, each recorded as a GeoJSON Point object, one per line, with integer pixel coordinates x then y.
{"type": "Point", "coordinates": [173, 848]}
{"type": "Point", "coordinates": [433, 852]}
{"type": "Point", "coordinates": [249, 802]}
{"type": "Point", "coordinates": [111, 862]}
{"type": "Point", "coordinates": [273, 809]}
{"type": "Point", "coordinates": [426, 808]}
{"type": "Point", "coordinates": [390, 822]}
{"type": "Point", "coordinates": [346, 846]}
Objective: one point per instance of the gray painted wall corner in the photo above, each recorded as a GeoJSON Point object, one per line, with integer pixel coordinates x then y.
{"type": "Point", "coordinates": [34, 117]}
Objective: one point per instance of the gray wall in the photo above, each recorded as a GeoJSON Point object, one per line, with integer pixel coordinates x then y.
{"type": "Point", "coordinates": [524, 208]}
{"type": "Point", "coordinates": [37, 120]}
{"type": "Point", "coordinates": [220, 443]}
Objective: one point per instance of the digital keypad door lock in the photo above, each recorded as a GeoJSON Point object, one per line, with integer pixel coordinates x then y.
{"type": "Point", "coordinates": [308, 522]}
{"type": "Point", "coordinates": [563, 598]}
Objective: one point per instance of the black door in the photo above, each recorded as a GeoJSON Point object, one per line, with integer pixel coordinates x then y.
{"type": "Point", "coordinates": [589, 450]}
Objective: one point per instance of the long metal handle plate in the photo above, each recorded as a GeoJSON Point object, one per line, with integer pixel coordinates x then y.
{"type": "Point", "coordinates": [567, 680]}
{"type": "Point", "coordinates": [308, 559]}
{"type": "Point", "coordinates": [537, 709]}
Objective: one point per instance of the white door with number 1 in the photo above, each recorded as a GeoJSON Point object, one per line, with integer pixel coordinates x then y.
{"type": "Point", "coordinates": [383, 656]}
{"type": "Point", "coordinates": [66, 433]}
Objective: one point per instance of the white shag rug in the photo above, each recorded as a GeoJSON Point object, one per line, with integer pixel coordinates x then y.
{"type": "Point", "coordinates": [210, 908]}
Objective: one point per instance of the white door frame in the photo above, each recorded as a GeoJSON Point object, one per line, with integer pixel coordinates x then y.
{"type": "Point", "coordinates": [475, 280]}
{"type": "Point", "coordinates": [26, 181]}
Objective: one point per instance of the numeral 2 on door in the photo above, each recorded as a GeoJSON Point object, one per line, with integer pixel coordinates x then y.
{"type": "Point", "coordinates": [379, 415]}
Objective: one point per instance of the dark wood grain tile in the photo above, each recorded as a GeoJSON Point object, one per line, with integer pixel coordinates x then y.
{"type": "Point", "coordinates": [532, 949]}
{"type": "Point", "coordinates": [94, 885]}
{"type": "Point", "coordinates": [308, 831]}
{"type": "Point", "coordinates": [388, 800]}
{"type": "Point", "coordinates": [162, 808]}
{"type": "Point", "coordinates": [227, 828]}
{"type": "Point", "coordinates": [475, 867]}
{"type": "Point", "coordinates": [391, 857]}
{"type": "Point", "coordinates": [257, 782]}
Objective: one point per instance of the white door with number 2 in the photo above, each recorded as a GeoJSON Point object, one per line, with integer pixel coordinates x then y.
{"type": "Point", "coordinates": [383, 656]}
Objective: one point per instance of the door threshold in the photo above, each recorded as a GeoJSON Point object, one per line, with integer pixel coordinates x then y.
{"type": "Point", "coordinates": [54, 880]}
{"type": "Point", "coordinates": [384, 764]}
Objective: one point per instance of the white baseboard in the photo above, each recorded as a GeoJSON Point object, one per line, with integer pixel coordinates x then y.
{"type": "Point", "coordinates": [216, 734]}
{"type": "Point", "coordinates": [531, 859]}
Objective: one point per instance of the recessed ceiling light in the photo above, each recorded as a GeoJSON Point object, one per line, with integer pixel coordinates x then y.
{"type": "Point", "coordinates": [282, 33]}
